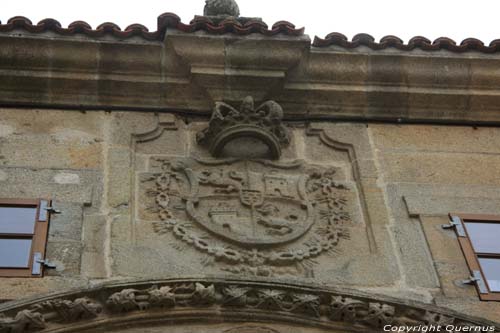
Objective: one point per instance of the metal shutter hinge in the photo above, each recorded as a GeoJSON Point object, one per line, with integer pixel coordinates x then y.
{"type": "Point", "coordinates": [456, 224]}
{"type": "Point", "coordinates": [38, 262]}
{"type": "Point", "coordinates": [477, 279]}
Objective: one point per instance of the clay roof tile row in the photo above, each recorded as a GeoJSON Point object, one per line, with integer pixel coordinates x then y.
{"type": "Point", "coordinates": [201, 23]}
{"type": "Point", "coordinates": [422, 43]}
{"type": "Point", "coordinates": [167, 20]}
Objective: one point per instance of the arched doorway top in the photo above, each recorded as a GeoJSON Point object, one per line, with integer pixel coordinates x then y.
{"type": "Point", "coordinates": [169, 302]}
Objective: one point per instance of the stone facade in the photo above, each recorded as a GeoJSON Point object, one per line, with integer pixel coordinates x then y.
{"type": "Point", "coordinates": [310, 217]}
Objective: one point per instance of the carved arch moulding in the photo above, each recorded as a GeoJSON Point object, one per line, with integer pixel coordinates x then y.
{"type": "Point", "coordinates": [116, 307]}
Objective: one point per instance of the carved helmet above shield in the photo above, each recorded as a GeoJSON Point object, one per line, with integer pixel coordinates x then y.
{"type": "Point", "coordinates": [246, 129]}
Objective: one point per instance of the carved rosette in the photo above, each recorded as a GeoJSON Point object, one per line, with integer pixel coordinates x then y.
{"type": "Point", "coordinates": [251, 217]}
{"type": "Point", "coordinates": [265, 302]}
{"type": "Point", "coordinates": [263, 123]}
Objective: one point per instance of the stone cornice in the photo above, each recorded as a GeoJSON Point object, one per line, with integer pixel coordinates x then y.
{"type": "Point", "coordinates": [174, 301]}
{"type": "Point", "coordinates": [189, 71]}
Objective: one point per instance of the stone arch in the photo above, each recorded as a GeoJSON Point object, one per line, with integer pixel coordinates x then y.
{"type": "Point", "coordinates": [119, 307]}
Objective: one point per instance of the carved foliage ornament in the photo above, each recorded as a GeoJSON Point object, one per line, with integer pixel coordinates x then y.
{"type": "Point", "coordinates": [275, 303]}
{"type": "Point", "coordinates": [252, 217]}
{"type": "Point", "coordinates": [36, 317]}
{"type": "Point", "coordinates": [263, 123]}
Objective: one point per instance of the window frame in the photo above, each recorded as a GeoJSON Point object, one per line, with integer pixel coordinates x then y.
{"type": "Point", "coordinates": [471, 256]}
{"type": "Point", "coordinates": [39, 236]}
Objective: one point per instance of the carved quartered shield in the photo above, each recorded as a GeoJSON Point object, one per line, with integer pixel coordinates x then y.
{"type": "Point", "coordinates": [247, 205]}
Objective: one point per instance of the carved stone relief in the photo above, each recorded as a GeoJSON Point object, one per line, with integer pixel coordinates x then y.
{"type": "Point", "coordinates": [253, 217]}
{"type": "Point", "coordinates": [36, 317]}
{"type": "Point", "coordinates": [107, 306]}
{"type": "Point", "coordinates": [263, 123]}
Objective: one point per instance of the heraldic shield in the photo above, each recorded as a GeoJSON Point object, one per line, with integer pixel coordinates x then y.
{"type": "Point", "coordinates": [250, 207]}
{"type": "Point", "coordinates": [251, 215]}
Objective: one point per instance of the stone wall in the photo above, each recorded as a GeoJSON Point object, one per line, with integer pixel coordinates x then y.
{"type": "Point", "coordinates": [399, 184]}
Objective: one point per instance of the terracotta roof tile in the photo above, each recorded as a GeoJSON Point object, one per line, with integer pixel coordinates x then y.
{"type": "Point", "coordinates": [241, 27]}
{"type": "Point", "coordinates": [422, 43]}
{"type": "Point", "coordinates": [166, 20]}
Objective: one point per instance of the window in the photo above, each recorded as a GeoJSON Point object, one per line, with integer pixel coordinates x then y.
{"type": "Point", "coordinates": [23, 235]}
{"type": "Point", "coordinates": [479, 237]}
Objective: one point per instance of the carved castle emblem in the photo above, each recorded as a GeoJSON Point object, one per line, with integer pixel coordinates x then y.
{"type": "Point", "coordinates": [263, 123]}
{"type": "Point", "coordinates": [250, 216]}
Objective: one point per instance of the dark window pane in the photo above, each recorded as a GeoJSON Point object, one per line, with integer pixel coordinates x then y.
{"type": "Point", "coordinates": [15, 253]}
{"type": "Point", "coordinates": [17, 220]}
{"type": "Point", "coordinates": [485, 237]}
{"type": "Point", "coordinates": [491, 269]}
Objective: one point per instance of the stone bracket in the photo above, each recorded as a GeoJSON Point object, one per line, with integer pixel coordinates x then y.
{"type": "Point", "coordinates": [232, 67]}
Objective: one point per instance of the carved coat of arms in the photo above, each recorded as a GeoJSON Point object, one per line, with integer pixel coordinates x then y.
{"type": "Point", "coordinates": [251, 216]}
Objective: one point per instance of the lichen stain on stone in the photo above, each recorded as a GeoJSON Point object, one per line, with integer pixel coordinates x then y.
{"type": "Point", "coordinates": [87, 157]}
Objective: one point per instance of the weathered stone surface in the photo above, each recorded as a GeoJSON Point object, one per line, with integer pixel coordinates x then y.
{"type": "Point", "coordinates": [14, 288]}
{"type": "Point", "coordinates": [169, 142]}
{"type": "Point", "coordinates": [67, 225]}
{"type": "Point", "coordinates": [124, 127]}
{"type": "Point", "coordinates": [418, 267]}
{"type": "Point", "coordinates": [67, 178]}
{"type": "Point", "coordinates": [39, 183]}
{"type": "Point", "coordinates": [442, 168]}
{"type": "Point", "coordinates": [3, 175]}
{"type": "Point", "coordinates": [63, 140]}
{"type": "Point", "coordinates": [418, 138]}
{"type": "Point", "coordinates": [119, 177]}
{"type": "Point", "coordinates": [66, 255]}
{"type": "Point", "coordinates": [314, 150]}
{"type": "Point", "coordinates": [95, 241]}
{"type": "Point", "coordinates": [6, 130]}
{"type": "Point", "coordinates": [443, 205]}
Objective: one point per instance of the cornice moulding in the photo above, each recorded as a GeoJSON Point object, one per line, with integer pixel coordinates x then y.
{"type": "Point", "coordinates": [188, 72]}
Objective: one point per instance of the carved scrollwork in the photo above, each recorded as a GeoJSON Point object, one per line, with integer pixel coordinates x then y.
{"type": "Point", "coordinates": [228, 123]}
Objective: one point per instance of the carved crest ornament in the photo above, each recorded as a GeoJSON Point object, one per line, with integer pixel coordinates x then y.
{"type": "Point", "coordinates": [249, 216]}
{"type": "Point", "coordinates": [228, 123]}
